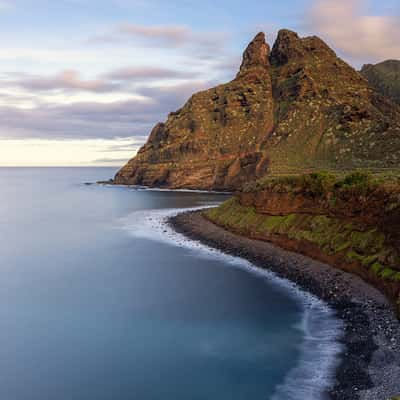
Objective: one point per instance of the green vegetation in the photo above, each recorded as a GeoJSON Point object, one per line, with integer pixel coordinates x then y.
{"type": "Point", "coordinates": [353, 220]}
{"type": "Point", "coordinates": [323, 183]}
{"type": "Point", "coordinates": [357, 178]}
{"type": "Point", "coordinates": [349, 242]}
{"type": "Point", "coordinates": [333, 191]}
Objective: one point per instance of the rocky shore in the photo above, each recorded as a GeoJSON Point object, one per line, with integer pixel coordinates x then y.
{"type": "Point", "coordinates": [370, 364]}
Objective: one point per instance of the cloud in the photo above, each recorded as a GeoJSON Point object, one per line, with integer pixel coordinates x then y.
{"type": "Point", "coordinates": [174, 95]}
{"type": "Point", "coordinates": [160, 35]}
{"type": "Point", "coordinates": [80, 120]}
{"type": "Point", "coordinates": [67, 152]}
{"type": "Point", "coordinates": [67, 80]}
{"type": "Point", "coordinates": [48, 55]}
{"type": "Point", "coordinates": [145, 73]}
{"type": "Point", "coordinates": [126, 118]}
{"type": "Point", "coordinates": [228, 65]}
{"type": "Point", "coordinates": [114, 161]}
{"type": "Point", "coordinates": [173, 35]}
{"type": "Point", "coordinates": [113, 81]}
{"type": "Point", "coordinates": [6, 5]}
{"type": "Point", "coordinates": [346, 25]}
{"type": "Point", "coordinates": [201, 45]}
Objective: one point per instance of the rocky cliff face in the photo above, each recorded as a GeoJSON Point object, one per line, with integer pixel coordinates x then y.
{"type": "Point", "coordinates": [294, 108]}
{"type": "Point", "coordinates": [384, 77]}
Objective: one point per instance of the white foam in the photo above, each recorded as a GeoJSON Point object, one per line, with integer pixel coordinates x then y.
{"type": "Point", "coordinates": [320, 349]}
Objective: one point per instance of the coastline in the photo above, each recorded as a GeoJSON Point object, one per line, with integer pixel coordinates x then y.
{"type": "Point", "coordinates": [370, 363]}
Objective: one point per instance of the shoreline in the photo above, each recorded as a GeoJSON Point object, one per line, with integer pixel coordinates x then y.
{"type": "Point", "coordinates": [158, 188]}
{"type": "Point", "coordinates": [369, 367]}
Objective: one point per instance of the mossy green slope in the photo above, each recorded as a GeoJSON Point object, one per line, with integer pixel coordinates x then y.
{"type": "Point", "coordinates": [352, 241]}
{"type": "Point", "coordinates": [366, 246]}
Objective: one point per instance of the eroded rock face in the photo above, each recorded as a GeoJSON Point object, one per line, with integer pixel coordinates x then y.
{"type": "Point", "coordinates": [296, 108]}
{"type": "Point", "coordinates": [215, 140]}
{"type": "Point", "coordinates": [338, 237]}
{"type": "Point", "coordinates": [256, 55]}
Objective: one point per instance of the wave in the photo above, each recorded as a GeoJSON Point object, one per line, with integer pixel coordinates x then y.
{"type": "Point", "coordinates": [320, 349]}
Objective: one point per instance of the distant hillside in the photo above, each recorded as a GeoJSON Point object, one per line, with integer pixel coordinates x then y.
{"type": "Point", "coordinates": [295, 108]}
{"type": "Point", "coordinates": [384, 77]}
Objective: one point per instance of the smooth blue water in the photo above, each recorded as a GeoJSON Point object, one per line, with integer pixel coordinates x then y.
{"type": "Point", "coordinates": [91, 308]}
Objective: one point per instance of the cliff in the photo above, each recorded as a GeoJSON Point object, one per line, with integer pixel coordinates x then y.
{"type": "Point", "coordinates": [384, 77]}
{"type": "Point", "coordinates": [351, 222]}
{"type": "Point", "coordinates": [297, 107]}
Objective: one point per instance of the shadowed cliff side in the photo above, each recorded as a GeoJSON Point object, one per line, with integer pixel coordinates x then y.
{"type": "Point", "coordinates": [295, 108]}
{"type": "Point", "coordinates": [384, 77]}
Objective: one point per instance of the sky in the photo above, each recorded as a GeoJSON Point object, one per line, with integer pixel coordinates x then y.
{"type": "Point", "coordinates": [82, 82]}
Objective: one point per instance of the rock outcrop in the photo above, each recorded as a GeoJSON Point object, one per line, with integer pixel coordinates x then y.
{"type": "Point", "coordinates": [294, 108]}
{"type": "Point", "coordinates": [384, 77]}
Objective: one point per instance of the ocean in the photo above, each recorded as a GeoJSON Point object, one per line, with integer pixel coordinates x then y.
{"type": "Point", "coordinates": [100, 299]}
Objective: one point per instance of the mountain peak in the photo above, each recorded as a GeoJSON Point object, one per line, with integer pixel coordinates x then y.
{"type": "Point", "coordinates": [298, 108]}
{"type": "Point", "coordinates": [290, 47]}
{"type": "Point", "coordinates": [287, 45]}
{"type": "Point", "coordinates": [287, 34]}
{"type": "Point", "coordinates": [256, 54]}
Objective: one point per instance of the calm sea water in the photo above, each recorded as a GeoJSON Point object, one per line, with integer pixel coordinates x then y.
{"type": "Point", "coordinates": [95, 304]}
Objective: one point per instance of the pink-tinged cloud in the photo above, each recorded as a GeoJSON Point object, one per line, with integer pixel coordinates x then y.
{"type": "Point", "coordinates": [346, 26]}
{"type": "Point", "coordinates": [6, 5]}
{"type": "Point", "coordinates": [67, 80]}
{"type": "Point", "coordinates": [174, 35]}
{"type": "Point", "coordinates": [121, 79]}
{"type": "Point", "coordinates": [126, 118]}
{"type": "Point", "coordinates": [145, 73]}
{"type": "Point", "coordinates": [198, 45]}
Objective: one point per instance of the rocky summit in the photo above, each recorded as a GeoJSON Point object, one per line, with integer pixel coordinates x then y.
{"type": "Point", "coordinates": [384, 77]}
{"type": "Point", "coordinates": [293, 108]}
